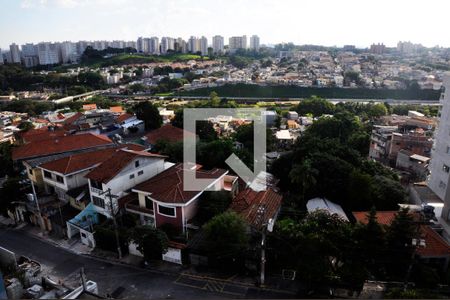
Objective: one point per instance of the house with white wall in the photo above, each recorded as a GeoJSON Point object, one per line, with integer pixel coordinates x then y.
{"type": "Point", "coordinates": [115, 177]}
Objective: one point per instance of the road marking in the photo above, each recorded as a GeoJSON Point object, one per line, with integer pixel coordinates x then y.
{"type": "Point", "coordinates": [209, 285]}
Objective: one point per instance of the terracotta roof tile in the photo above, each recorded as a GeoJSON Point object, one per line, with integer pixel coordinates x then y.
{"type": "Point", "coordinates": [108, 169]}
{"type": "Point", "coordinates": [123, 117]}
{"type": "Point", "coordinates": [34, 135]}
{"type": "Point", "coordinates": [73, 119]}
{"type": "Point", "coordinates": [383, 217]}
{"type": "Point", "coordinates": [78, 162]}
{"type": "Point", "coordinates": [435, 245]}
{"type": "Point", "coordinates": [257, 207]}
{"type": "Point", "coordinates": [59, 145]}
{"type": "Point", "coordinates": [168, 133]}
{"type": "Point", "coordinates": [116, 109]}
{"type": "Point", "coordinates": [167, 186]}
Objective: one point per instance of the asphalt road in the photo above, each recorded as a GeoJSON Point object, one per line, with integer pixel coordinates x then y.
{"type": "Point", "coordinates": [110, 278]}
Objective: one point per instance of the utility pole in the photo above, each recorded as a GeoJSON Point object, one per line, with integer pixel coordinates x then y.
{"type": "Point", "coordinates": [83, 279]}
{"type": "Point", "coordinates": [113, 215]}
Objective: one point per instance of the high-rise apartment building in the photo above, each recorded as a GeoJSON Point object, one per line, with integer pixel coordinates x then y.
{"type": "Point", "coordinates": [48, 53]}
{"type": "Point", "coordinates": [167, 43]}
{"type": "Point", "coordinates": [180, 45]}
{"type": "Point", "coordinates": [68, 52]}
{"type": "Point", "coordinates": [237, 42]}
{"type": "Point", "coordinates": [377, 48]}
{"type": "Point", "coordinates": [204, 45]}
{"type": "Point", "coordinates": [15, 53]}
{"type": "Point", "coordinates": [29, 55]}
{"type": "Point", "coordinates": [193, 44]}
{"type": "Point", "coordinates": [439, 180]}
{"type": "Point", "coordinates": [218, 44]}
{"type": "Point", "coordinates": [254, 42]}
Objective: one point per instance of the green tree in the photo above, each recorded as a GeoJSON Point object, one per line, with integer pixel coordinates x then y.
{"type": "Point", "coordinates": [148, 113]}
{"type": "Point", "coordinates": [212, 204]}
{"type": "Point", "coordinates": [151, 242]}
{"type": "Point", "coordinates": [10, 192]}
{"type": "Point", "coordinates": [315, 106]}
{"type": "Point", "coordinates": [206, 131]}
{"type": "Point", "coordinates": [25, 126]}
{"type": "Point", "coordinates": [304, 175]}
{"type": "Point", "coordinates": [226, 235]}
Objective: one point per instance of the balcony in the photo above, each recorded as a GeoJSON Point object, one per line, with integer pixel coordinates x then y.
{"type": "Point", "coordinates": [133, 207]}
{"type": "Point", "coordinates": [96, 190]}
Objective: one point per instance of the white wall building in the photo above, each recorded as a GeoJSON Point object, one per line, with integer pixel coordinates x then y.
{"type": "Point", "coordinates": [193, 44]}
{"type": "Point", "coordinates": [254, 42]}
{"type": "Point", "coordinates": [15, 53]}
{"type": "Point", "coordinates": [48, 53]}
{"type": "Point", "coordinates": [218, 44]}
{"type": "Point", "coordinates": [204, 45]}
{"type": "Point", "coordinates": [439, 168]}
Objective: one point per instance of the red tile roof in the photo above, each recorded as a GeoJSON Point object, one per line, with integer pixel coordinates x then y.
{"type": "Point", "coordinates": [123, 117]}
{"type": "Point", "coordinates": [41, 134]}
{"type": "Point", "coordinates": [116, 109]}
{"type": "Point", "coordinates": [435, 245]}
{"type": "Point", "coordinates": [59, 145]}
{"type": "Point", "coordinates": [78, 162]}
{"type": "Point", "coordinates": [257, 207]}
{"type": "Point", "coordinates": [168, 133]}
{"type": "Point", "coordinates": [108, 169]}
{"type": "Point", "coordinates": [167, 186]}
{"type": "Point", "coordinates": [383, 217]}
{"type": "Point", "coordinates": [73, 118]}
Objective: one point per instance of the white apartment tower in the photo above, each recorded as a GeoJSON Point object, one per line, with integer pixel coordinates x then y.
{"type": "Point", "coordinates": [153, 46]}
{"type": "Point", "coordinates": [15, 53]}
{"type": "Point", "coordinates": [439, 180]}
{"type": "Point", "coordinates": [29, 55]}
{"type": "Point", "coordinates": [193, 44]}
{"type": "Point", "coordinates": [167, 44]}
{"type": "Point", "coordinates": [48, 53]}
{"type": "Point", "coordinates": [204, 45]}
{"type": "Point", "coordinates": [254, 42]}
{"type": "Point", "coordinates": [218, 44]}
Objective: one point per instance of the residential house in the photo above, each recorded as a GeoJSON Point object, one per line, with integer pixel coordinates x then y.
{"type": "Point", "coordinates": [116, 176]}
{"type": "Point", "coordinates": [168, 133]}
{"type": "Point", "coordinates": [414, 163]}
{"type": "Point", "coordinates": [163, 199]}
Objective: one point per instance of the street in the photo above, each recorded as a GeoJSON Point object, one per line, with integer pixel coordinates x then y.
{"type": "Point", "coordinates": [120, 281]}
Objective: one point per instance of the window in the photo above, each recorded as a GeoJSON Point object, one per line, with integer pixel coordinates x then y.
{"type": "Point", "coordinates": [131, 176]}
{"type": "Point", "coordinates": [47, 174]}
{"type": "Point", "coordinates": [136, 163]}
{"type": "Point", "coordinates": [59, 179]}
{"type": "Point", "coordinates": [96, 185]}
{"type": "Point", "coordinates": [98, 201]}
{"type": "Point", "coordinates": [30, 171]}
{"type": "Point", "coordinates": [446, 168]}
{"type": "Point", "coordinates": [166, 211]}
{"type": "Point", "coordinates": [140, 172]}
{"type": "Point", "coordinates": [148, 203]}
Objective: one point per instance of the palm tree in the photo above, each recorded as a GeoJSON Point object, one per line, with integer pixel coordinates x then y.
{"type": "Point", "coordinates": [305, 175]}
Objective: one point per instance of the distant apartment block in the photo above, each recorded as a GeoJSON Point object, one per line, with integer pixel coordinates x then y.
{"type": "Point", "coordinates": [237, 42]}
{"type": "Point", "coordinates": [218, 44]}
{"type": "Point", "coordinates": [254, 42]}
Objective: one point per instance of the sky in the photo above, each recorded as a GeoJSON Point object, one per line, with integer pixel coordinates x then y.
{"type": "Point", "coordinates": [320, 22]}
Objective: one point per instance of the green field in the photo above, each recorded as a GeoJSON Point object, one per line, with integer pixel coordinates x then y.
{"type": "Point", "coordinates": [250, 90]}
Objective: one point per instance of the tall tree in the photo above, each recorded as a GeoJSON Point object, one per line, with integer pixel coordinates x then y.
{"type": "Point", "coordinates": [148, 113]}
{"type": "Point", "coordinates": [151, 242]}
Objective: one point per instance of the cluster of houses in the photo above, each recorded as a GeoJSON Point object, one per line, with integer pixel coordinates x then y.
{"type": "Point", "coordinates": [404, 142]}
{"type": "Point", "coordinates": [80, 178]}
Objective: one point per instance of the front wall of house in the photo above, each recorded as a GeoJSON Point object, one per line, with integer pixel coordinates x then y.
{"type": "Point", "coordinates": [123, 182]}
{"type": "Point", "coordinates": [175, 221]}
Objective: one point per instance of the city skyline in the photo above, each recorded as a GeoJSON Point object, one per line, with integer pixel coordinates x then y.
{"type": "Point", "coordinates": [339, 23]}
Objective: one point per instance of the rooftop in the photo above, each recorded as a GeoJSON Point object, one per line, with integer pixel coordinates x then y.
{"type": "Point", "coordinates": [109, 168]}
{"type": "Point", "coordinates": [60, 144]}
{"type": "Point", "coordinates": [257, 207]}
{"type": "Point", "coordinates": [167, 186]}
{"type": "Point", "coordinates": [168, 133]}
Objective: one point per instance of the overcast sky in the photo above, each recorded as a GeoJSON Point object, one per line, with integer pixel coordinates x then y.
{"type": "Point", "coordinates": [324, 22]}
